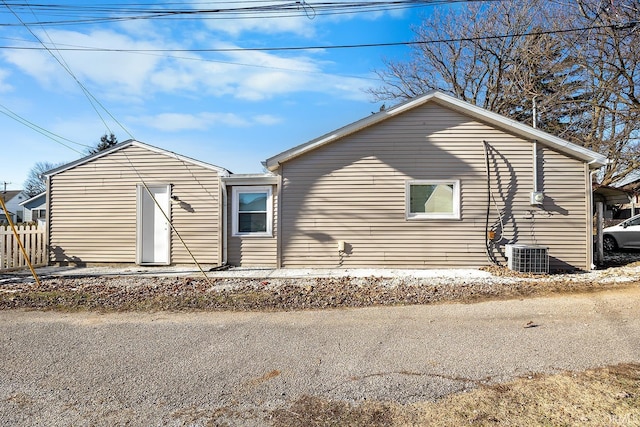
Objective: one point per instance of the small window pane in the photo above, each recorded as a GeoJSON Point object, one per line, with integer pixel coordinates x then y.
{"type": "Point", "coordinates": [440, 200]}
{"type": "Point", "coordinates": [252, 222]}
{"type": "Point", "coordinates": [432, 198]}
{"type": "Point", "coordinates": [252, 202]}
{"type": "Point", "coordinates": [419, 196]}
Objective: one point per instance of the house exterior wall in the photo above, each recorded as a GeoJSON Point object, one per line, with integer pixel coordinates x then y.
{"type": "Point", "coordinates": [13, 206]}
{"type": "Point", "coordinates": [353, 190]}
{"type": "Point", "coordinates": [40, 203]}
{"type": "Point", "coordinates": [252, 251]}
{"type": "Point", "coordinates": [93, 208]}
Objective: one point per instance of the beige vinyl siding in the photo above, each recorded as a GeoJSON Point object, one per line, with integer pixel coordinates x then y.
{"type": "Point", "coordinates": [93, 208]}
{"type": "Point", "coordinates": [564, 222]}
{"type": "Point", "coordinates": [252, 251]}
{"type": "Point", "coordinates": [354, 190]}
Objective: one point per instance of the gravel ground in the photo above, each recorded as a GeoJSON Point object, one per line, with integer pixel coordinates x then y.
{"type": "Point", "coordinates": [136, 289]}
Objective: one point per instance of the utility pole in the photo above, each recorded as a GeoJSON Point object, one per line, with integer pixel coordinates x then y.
{"type": "Point", "coordinates": [4, 183]}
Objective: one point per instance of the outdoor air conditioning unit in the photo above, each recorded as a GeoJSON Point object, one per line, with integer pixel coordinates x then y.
{"type": "Point", "coordinates": [528, 258]}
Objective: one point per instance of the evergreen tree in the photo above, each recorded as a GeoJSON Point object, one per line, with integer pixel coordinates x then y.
{"type": "Point", "coordinates": [106, 142]}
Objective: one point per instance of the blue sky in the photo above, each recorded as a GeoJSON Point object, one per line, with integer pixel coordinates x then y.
{"type": "Point", "coordinates": [232, 109]}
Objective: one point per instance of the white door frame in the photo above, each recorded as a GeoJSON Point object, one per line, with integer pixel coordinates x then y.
{"type": "Point", "coordinates": [160, 239]}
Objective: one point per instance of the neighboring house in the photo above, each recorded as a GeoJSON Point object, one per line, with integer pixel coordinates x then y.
{"type": "Point", "coordinates": [631, 181]}
{"type": "Point", "coordinates": [431, 183]}
{"type": "Point", "coordinates": [631, 184]}
{"type": "Point", "coordinates": [12, 200]}
{"type": "Point", "coordinates": [35, 209]}
{"type": "Point", "coordinates": [618, 204]}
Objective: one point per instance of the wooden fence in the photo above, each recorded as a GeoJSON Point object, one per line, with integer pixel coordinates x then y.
{"type": "Point", "coordinates": [33, 240]}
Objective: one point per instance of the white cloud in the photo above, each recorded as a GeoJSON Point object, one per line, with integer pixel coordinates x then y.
{"type": "Point", "coordinates": [4, 85]}
{"type": "Point", "coordinates": [129, 77]}
{"type": "Point", "coordinates": [267, 119]}
{"type": "Point", "coordinates": [302, 21]}
{"type": "Point", "coordinates": [263, 22]}
{"type": "Point", "coordinates": [174, 122]}
{"type": "Point", "coordinates": [35, 63]}
{"type": "Point", "coordinates": [125, 72]}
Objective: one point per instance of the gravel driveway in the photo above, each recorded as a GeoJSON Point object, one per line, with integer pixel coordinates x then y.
{"type": "Point", "coordinates": [213, 368]}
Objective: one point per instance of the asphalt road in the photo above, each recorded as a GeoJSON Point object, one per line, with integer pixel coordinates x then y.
{"type": "Point", "coordinates": [198, 368]}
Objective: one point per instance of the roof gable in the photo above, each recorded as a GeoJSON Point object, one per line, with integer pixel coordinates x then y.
{"type": "Point", "coordinates": [594, 159]}
{"type": "Point", "coordinates": [37, 199]}
{"type": "Point", "coordinates": [221, 171]}
{"type": "Point", "coordinates": [8, 195]}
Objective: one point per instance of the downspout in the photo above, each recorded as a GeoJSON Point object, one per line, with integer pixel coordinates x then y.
{"type": "Point", "coordinates": [225, 214]}
{"type": "Point", "coordinates": [591, 223]}
{"type": "Point", "coordinates": [47, 228]}
{"type": "Point", "coordinates": [535, 166]}
{"type": "Point", "coordinates": [535, 146]}
{"type": "Point", "coordinates": [279, 221]}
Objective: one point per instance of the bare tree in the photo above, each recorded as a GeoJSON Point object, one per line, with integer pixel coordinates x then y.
{"type": "Point", "coordinates": [36, 183]}
{"type": "Point", "coordinates": [574, 64]}
{"type": "Point", "coordinates": [610, 58]}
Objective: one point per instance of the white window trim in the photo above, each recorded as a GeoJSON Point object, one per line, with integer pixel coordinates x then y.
{"type": "Point", "coordinates": [424, 215]}
{"type": "Point", "coordinates": [235, 202]}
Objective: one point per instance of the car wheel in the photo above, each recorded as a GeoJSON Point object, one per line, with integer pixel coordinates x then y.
{"type": "Point", "coordinates": [609, 243]}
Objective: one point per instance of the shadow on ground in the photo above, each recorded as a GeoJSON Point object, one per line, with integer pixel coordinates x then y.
{"type": "Point", "coordinates": [621, 257]}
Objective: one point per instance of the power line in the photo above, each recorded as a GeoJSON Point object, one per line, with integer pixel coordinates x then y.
{"type": "Point", "coordinates": [61, 61]}
{"type": "Point", "coordinates": [623, 25]}
{"type": "Point", "coordinates": [48, 134]}
{"type": "Point", "coordinates": [91, 14]}
{"type": "Point", "coordinates": [200, 59]}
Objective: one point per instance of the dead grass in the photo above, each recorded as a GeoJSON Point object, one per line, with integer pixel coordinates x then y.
{"type": "Point", "coordinates": [602, 397]}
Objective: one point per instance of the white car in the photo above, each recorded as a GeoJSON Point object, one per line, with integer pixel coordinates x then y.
{"type": "Point", "coordinates": [624, 235]}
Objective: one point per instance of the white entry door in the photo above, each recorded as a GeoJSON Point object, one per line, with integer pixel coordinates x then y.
{"type": "Point", "coordinates": [154, 232]}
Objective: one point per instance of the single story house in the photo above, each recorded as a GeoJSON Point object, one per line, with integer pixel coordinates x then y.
{"type": "Point", "coordinates": [431, 183]}
{"type": "Point", "coordinates": [12, 200]}
{"type": "Point", "coordinates": [35, 209]}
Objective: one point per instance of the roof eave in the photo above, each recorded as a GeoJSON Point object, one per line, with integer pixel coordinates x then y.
{"type": "Point", "coordinates": [44, 193]}
{"type": "Point", "coordinates": [131, 142]}
{"type": "Point", "coordinates": [274, 162]}
{"type": "Point", "coordinates": [594, 159]}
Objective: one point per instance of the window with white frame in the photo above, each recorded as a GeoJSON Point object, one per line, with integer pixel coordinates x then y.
{"type": "Point", "coordinates": [252, 211]}
{"type": "Point", "coordinates": [38, 214]}
{"type": "Point", "coordinates": [431, 199]}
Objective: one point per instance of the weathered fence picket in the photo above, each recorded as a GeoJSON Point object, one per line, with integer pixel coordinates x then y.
{"type": "Point", "coordinates": [33, 240]}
